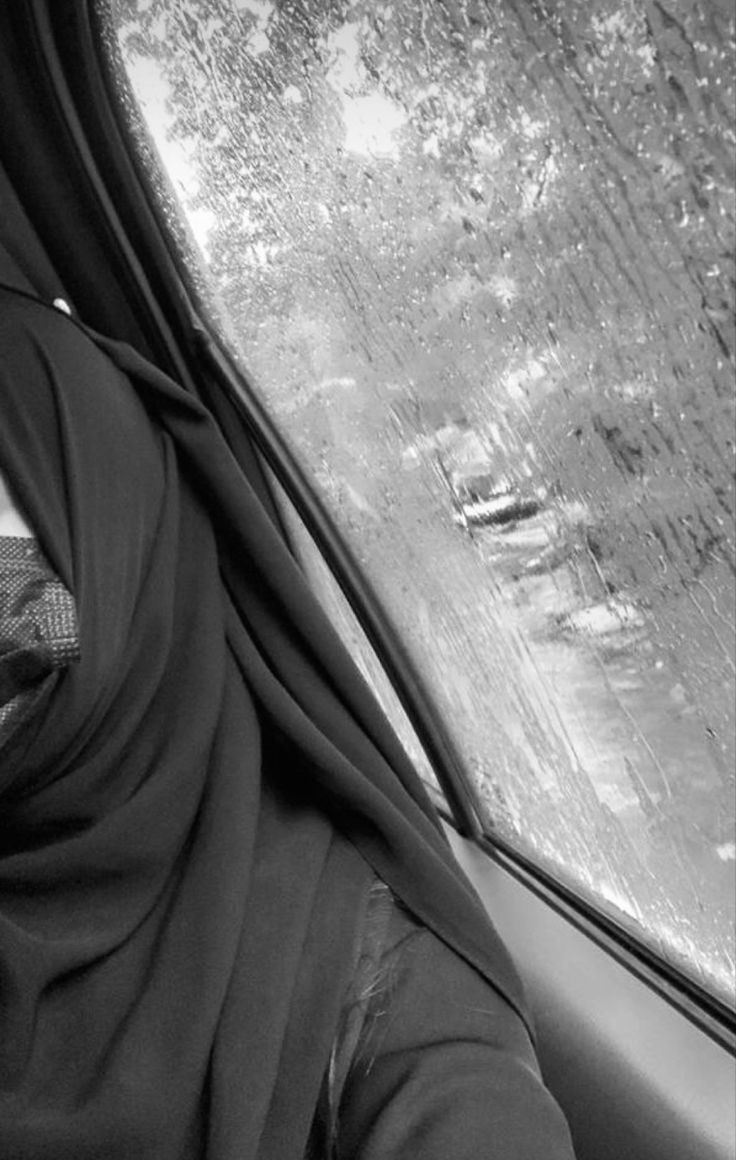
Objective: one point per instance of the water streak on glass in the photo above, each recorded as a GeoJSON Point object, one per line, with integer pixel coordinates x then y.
{"type": "Point", "coordinates": [478, 258]}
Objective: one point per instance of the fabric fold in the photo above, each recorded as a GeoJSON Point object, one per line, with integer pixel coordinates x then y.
{"type": "Point", "coordinates": [194, 822]}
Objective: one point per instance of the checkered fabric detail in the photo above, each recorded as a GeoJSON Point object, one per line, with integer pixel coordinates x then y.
{"type": "Point", "coordinates": [38, 626]}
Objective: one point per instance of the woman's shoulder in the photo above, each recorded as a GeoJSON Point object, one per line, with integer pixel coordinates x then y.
{"type": "Point", "coordinates": [429, 1059]}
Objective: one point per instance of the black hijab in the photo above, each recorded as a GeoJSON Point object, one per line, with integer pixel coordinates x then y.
{"type": "Point", "coordinates": [190, 827]}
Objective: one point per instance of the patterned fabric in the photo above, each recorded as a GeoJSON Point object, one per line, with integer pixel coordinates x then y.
{"type": "Point", "coordinates": [38, 628]}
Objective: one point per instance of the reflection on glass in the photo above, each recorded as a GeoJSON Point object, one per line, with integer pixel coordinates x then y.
{"type": "Point", "coordinates": [477, 258]}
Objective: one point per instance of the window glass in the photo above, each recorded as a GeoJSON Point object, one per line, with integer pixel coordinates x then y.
{"type": "Point", "coordinates": [346, 623]}
{"type": "Point", "coordinates": [477, 258]}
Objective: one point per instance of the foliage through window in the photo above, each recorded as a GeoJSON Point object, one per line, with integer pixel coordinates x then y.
{"type": "Point", "coordinates": [478, 259]}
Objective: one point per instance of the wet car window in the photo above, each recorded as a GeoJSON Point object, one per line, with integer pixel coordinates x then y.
{"type": "Point", "coordinates": [478, 260]}
{"type": "Point", "coordinates": [348, 626]}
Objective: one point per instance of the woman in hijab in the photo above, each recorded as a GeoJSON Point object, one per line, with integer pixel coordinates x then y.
{"type": "Point", "coordinates": [230, 925]}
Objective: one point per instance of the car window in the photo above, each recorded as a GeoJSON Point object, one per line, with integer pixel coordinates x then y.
{"type": "Point", "coordinates": [478, 260]}
{"type": "Point", "coordinates": [345, 621]}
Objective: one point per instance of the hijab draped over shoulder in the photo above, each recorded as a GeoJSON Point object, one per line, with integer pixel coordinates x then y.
{"type": "Point", "coordinates": [191, 817]}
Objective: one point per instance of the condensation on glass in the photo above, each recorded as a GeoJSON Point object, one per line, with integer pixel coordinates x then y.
{"type": "Point", "coordinates": [347, 624]}
{"type": "Point", "coordinates": [478, 258]}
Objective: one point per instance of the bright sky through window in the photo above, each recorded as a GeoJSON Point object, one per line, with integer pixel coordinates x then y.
{"type": "Point", "coordinates": [371, 120]}
{"type": "Point", "coordinates": [370, 125]}
{"type": "Point", "coordinates": [153, 92]}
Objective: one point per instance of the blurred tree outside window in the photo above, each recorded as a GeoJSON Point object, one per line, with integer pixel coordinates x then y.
{"type": "Point", "coordinates": [478, 259]}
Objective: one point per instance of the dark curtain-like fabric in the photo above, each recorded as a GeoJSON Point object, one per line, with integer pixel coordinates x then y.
{"type": "Point", "coordinates": [190, 824]}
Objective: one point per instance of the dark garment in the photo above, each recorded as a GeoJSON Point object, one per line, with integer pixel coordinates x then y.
{"type": "Point", "coordinates": [204, 800]}
{"type": "Point", "coordinates": [426, 1060]}
{"type": "Point", "coordinates": [429, 1062]}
